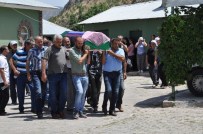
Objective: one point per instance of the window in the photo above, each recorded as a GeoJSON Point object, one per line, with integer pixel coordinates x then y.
{"type": "Point", "coordinates": [24, 33]}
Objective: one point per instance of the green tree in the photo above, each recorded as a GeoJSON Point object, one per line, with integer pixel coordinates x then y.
{"type": "Point", "coordinates": [181, 44]}
{"type": "Point", "coordinates": [97, 8]}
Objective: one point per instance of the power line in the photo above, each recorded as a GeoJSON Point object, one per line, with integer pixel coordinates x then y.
{"type": "Point", "coordinates": [25, 15]}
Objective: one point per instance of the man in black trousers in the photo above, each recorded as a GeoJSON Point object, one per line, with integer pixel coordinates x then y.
{"type": "Point", "coordinates": [4, 79]}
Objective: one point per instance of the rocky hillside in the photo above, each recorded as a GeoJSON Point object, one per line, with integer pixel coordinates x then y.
{"type": "Point", "coordinates": [76, 11]}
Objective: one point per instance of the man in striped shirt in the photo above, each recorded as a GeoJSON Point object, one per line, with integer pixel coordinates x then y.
{"type": "Point", "coordinates": [20, 72]}
{"type": "Point", "coordinates": [34, 64]}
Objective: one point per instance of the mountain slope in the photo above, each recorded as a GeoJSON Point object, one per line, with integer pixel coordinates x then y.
{"type": "Point", "coordinates": [76, 11]}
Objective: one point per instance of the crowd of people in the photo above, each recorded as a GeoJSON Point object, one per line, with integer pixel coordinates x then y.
{"type": "Point", "coordinates": [66, 76]}
{"type": "Point", "coordinates": [142, 56]}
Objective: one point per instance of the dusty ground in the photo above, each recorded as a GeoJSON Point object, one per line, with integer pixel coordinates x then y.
{"type": "Point", "coordinates": [143, 115]}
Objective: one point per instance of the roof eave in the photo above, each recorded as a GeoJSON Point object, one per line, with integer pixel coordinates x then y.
{"type": "Point", "coordinates": [86, 23]}
{"type": "Point", "coordinates": [170, 3]}
{"type": "Point", "coordinates": [27, 7]}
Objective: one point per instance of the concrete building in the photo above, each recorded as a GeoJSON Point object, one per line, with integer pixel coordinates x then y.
{"type": "Point", "coordinates": [134, 20]}
{"type": "Point", "coordinates": [21, 19]}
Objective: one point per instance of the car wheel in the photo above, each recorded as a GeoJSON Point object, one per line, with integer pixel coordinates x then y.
{"type": "Point", "coordinates": [195, 82]}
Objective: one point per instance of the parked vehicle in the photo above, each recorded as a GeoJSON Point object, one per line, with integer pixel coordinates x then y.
{"type": "Point", "coordinates": [195, 81]}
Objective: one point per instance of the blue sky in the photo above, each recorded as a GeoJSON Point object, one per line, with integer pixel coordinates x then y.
{"type": "Point", "coordinates": [60, 3]}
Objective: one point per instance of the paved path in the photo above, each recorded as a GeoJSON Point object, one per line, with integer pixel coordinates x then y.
{"type": "Point", "coordinates": [143, 115]}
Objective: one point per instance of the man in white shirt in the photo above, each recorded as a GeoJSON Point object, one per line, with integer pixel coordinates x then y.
{"type": "Point", "coordinates": [4, 79]}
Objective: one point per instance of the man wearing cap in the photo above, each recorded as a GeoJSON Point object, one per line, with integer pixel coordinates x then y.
{"type": "Point", "coordinates": [20, 72]}
{"type": "Point", "coordinates": [150, 59]}
{"type": "Point", "coordinates": [161, 73]}
{"type": "Point", "coordinates": [12, 46]}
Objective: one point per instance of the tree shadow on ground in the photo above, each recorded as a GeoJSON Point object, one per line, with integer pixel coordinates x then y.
{"type": "Point", "coordinates": [152, 102]}
{"type": "Point", "coordinates": [187, 98]}
{"type": "Point", "coordinates": [155, 102]}
{"type": "Point", "coordinates": [186, 94]}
